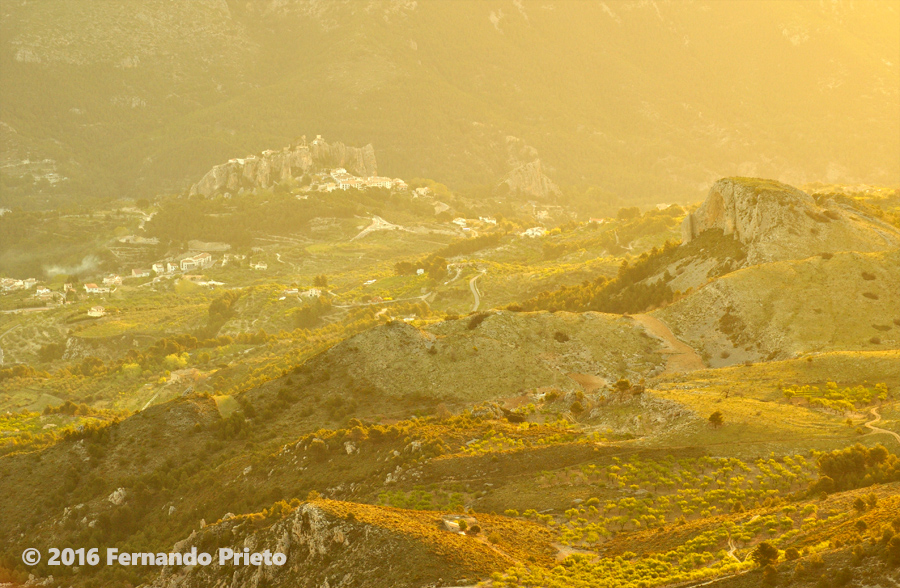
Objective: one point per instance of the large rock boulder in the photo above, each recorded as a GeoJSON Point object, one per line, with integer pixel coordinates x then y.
{"type": "Point", "coordinates": [776, 221]}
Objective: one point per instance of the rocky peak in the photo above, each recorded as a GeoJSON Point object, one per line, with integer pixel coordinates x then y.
{"type": "Point", "coordinates": [777, 222]}
{"type": "Point", "coordinates": [529, 179]}
{"type": "Point", "coordinates": [271, 167]}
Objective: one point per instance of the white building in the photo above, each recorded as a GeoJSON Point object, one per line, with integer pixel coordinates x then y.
{"type": "Point", "coordinates": [199, 261]}
{"type": "Point", "coordinates": [378, 182]}
{"type": "Point", "coordinates": [96, 311]}
{"type": "Point", "coordinates": [534, 232]}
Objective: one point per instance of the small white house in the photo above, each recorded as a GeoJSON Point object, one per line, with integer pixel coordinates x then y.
{"type": "Point", "coordinates": [534, 232]}
{"type": "Point", "coordinates": [159, 268]}
{"type": "Point", "coordinates": [96, 311]}
{"type": "Point", "coordinates": [140, 273]}
{"type": "Point", "coordinates": [95, 289]}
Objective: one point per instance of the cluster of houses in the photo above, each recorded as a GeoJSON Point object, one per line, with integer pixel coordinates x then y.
{"type": "Point", "coordinates": [12, 284]}
{"type": "Point", "coordinates": [341, 179]}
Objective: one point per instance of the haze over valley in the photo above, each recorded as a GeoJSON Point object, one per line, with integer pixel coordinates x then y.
{"type": "Point", "coordinates": [491, 294]}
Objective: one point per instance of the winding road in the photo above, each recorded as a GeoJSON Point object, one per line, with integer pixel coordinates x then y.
{"type": "Point", "coordinates": [474, 288]}
{"type": "Point", "coordinates": [874, 412]}
{"type": "Point", "coordinates": [681, 356]}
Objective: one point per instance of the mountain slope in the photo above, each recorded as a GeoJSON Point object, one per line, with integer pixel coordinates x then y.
{"type": "Point", "coordinates": [140, 97]}
{"type": "Point", "coordinates": [849, 301]}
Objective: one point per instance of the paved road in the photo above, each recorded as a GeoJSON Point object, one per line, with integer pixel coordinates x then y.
{"type": "Point", "coordinates": [681, 357]}
{"type": "Point", "coordinates": [877, 418]}
{"type": "Point", "coordinates": [474, 288]}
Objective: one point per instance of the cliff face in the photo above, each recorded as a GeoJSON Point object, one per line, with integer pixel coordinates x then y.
{"type": "Point", "coordinates": [529, 179]}
{"type": "Point", "coordinates": [777, 222]}
{"type": "Point", "coordinates": [271, 167]}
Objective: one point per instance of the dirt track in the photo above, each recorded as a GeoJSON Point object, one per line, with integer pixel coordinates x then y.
{"type": "Point", "coordinates": [877, 418]}
{"type": "Point", "coordinates": [681, 357]}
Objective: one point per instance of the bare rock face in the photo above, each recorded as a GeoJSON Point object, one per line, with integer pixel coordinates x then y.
{"type": "Point", "coordinates": [529, 179]}
{"type": "Point", "coordinates": [271, 167]}
{"type": "Point", "coordinates": [778, 222]}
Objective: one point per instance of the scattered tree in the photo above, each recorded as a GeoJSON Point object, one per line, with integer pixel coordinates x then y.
{"type": "Point", "coordinates": [764, 554]}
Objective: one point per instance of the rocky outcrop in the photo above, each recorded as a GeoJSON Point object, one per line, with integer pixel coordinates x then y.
{"type": "Point", "coordinates": [529, 180]}
{"type": "Point", "coordinates": [328, 545]}
{"type": "Point", "coordinates": [777, 222]}
{"type": "Point", "coordinates": [271, 167]}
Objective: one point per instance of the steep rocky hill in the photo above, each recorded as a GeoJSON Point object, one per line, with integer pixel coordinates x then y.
{"type": "Point", "coordinates": [271, 167]}
{"type": "Point", "coordinates": [775, 221]}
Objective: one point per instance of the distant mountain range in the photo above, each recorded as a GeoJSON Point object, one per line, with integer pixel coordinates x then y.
{"type": "Point", "coordinates": [648, 100]}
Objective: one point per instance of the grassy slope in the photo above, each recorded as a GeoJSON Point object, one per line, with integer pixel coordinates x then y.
{"type": "Point", "coordinates": [771, 320]}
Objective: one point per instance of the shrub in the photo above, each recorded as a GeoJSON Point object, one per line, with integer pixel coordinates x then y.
{"type": "Point", "coordinates": [476, 319]}
{"type": "Point", "coordinates": [560, 336]}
